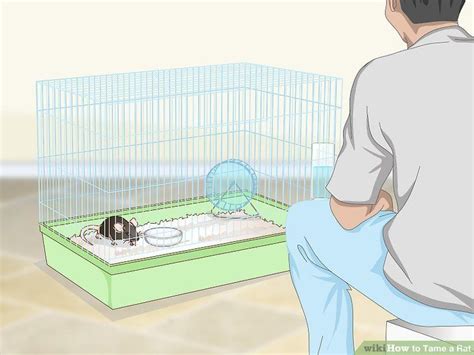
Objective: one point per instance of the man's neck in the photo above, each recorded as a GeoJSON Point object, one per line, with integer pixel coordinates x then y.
{"type": "Point", "coordinates": [417, 31]}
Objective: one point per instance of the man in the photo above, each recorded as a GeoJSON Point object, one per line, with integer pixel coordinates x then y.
{"type": "Point", "coordinates": [411, 114]}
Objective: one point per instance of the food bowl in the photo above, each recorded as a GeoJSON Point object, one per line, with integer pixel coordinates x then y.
{"type": "Point", "coordinates": [163, 236]}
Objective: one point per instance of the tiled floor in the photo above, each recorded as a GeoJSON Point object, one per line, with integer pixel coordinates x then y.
{"type": "Point", "coordinates": [42, 312]}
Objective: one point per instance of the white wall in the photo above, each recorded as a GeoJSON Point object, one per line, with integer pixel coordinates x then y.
{"type": "Point", "coordinates": [42, 40]}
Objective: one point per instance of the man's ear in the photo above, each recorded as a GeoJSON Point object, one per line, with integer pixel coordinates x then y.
{"type": "Point", "coordinates": [393, 5]}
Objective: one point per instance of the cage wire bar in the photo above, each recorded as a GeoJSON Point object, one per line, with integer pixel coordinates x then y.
{"type": "Point", "coordinates": [112, 143]}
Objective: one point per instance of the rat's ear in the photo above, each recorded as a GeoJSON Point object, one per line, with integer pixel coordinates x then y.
{"type": "Point", "coordinates": [118, 227]}
{"type": "Point", "coordinates": [134, 222]}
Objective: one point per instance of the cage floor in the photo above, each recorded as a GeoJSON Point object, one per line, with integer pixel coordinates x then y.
{"type": "Point", "coordinates": [198, 231]}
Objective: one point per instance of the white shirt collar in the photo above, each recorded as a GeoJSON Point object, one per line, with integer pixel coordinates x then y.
{"type": "Point", "coordinates": [442, 35]}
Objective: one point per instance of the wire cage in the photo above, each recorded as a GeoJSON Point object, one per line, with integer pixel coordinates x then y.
{"type": "Point", "coordinates": [142, 145]}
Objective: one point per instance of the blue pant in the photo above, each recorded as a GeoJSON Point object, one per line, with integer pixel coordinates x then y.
{"type": "Point", "coordinates": [326, 260]}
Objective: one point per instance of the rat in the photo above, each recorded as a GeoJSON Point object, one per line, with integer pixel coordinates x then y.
{"type": "Point", "coordinates": [118, 228]}
{"type": "Point", "coordinates": [114, 228]}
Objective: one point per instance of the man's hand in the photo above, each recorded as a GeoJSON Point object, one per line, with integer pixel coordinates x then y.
{"type": "Point", "coordinates": [351, 215]}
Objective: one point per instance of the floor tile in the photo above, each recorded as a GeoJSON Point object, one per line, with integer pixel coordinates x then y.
{"type": "Point", "coordinates": [12, 312]}
{"type": "Point", "coordinates": [294, 343]}
{"type": "Point", "coordinates": [231, 326]}
{"type": "Point", "coordinates": [39, 289]}
{"type": "Point", "coordinates": [60, 334]}
{"type": "Point", "coordinates": [10, 264]}
{"type": "Point", "coordinates": [20, 232]}
{"type": "Point", "coordinates": [277, 291]}
{"type": "Point", "coordinates": [12, 189]}
{"type": "Point", "coordinates": [162, 313]}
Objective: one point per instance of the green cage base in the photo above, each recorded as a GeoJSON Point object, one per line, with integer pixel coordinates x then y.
{"type": "Point", "coordinates": [133, 282]}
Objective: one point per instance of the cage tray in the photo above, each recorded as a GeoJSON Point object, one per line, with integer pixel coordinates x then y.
{"type": "Point", "coordinates": [120, 282]}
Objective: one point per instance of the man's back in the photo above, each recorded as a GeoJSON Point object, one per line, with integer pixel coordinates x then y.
{"type": "Point", "coordinates": [420, 110]}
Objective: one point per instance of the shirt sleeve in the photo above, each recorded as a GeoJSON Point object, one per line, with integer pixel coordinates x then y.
{"type": "Point", "coordinates": [363, 165]}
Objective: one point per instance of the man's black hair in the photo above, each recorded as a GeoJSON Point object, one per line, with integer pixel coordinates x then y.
{"type": "Point", "coordinates": [422, 11]}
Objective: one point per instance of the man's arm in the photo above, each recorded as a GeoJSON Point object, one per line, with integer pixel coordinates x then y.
{"type": "Point", "coordinates": [351, 215]}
